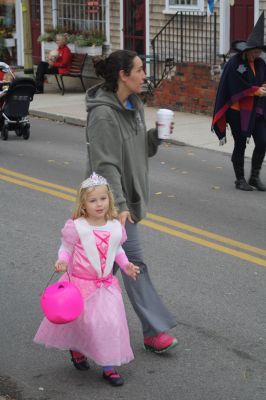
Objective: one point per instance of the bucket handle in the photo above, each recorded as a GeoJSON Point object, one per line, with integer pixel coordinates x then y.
{"type": "Point", "coordinates": [52, 278]}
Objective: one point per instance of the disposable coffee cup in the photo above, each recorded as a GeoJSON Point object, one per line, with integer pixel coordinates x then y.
{"type": "Point", "coordinates": [165, 118]}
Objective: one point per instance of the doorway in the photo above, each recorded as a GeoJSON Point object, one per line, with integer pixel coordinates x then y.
{"type": "Point", "coordinates": [241, 19]}
{"type": "Point", "coordinates": [134, 25]}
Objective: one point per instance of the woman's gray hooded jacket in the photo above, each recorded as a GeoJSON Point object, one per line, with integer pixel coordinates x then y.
{"type": "Point", "coordinates": [118, 148]}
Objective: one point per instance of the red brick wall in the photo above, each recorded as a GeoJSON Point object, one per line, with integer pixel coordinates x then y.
{"type": "Point", "coordinates": [192, 89]}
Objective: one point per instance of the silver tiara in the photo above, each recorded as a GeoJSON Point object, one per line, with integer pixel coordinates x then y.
{"type": "Point", "coordinates": [93, 180]}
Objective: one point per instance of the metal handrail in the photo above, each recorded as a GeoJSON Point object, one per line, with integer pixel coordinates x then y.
{"type": "Point", "coordinates": [186, 37]}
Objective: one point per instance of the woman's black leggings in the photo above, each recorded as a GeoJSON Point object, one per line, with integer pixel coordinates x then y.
{"type": "Point", "coordinates": [259, 135]}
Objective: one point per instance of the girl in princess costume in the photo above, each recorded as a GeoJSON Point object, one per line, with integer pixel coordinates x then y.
{"type": "Point", "coordinates": [91, 243]}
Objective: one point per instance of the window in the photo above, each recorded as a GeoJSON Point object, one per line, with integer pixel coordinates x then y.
{"type": "Point", "coordinates": [172, 6]}
{"type": "Point", "coordinates": [81, 15]}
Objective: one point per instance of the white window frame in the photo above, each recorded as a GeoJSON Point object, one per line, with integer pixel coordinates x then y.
{"type": "Point", "coordinates": [170, 9]}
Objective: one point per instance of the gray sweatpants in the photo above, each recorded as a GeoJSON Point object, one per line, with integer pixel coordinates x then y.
{"type": "Point", "coordinates": [153, 314]}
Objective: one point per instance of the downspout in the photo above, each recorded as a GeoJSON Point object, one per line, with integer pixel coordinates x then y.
{"type": "Point", "coordinates": [54, 13]}
{"type": "Point", "coordinates": [224, 43]}
{"type": "Point", "coordinates": [107, 27]}
{"type": "Point", "coordinates": [19, 33]}
{"type": "Point", "coordinates": [121, 27]}
{"type": "Point", "coordinates": [256, 10]}
{"type": "Point", "coordinates": [147, 39]}
{"type": "Point", "coordinates": [42, 28]}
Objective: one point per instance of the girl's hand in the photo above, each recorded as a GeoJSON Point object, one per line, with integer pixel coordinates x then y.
{"type": "Point", "coordinates": [262, 91]}
{"type": "Point", "coordinates": [60, 266]}
{"type": "Point", "coordinates": [124, 216]}
{"type": "Point", "coordinates": [222, 141]}
{"type": "Point", "coordinates": [132, 270]}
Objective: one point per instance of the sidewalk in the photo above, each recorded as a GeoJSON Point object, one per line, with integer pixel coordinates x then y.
{"type": "Point", "coordinates": [190, 129]}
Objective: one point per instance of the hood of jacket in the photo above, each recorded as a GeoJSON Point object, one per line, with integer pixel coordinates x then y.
{"type": "Point", "coordinates": [98, 96]}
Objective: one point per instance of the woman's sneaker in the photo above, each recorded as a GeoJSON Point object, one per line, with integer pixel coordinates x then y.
{"type": "Point", "coordinates": [113, 377]}
{"type": "Point", "coordinates": [160, 343]}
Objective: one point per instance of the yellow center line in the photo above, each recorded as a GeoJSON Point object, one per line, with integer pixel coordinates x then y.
{"type": "Point", "coordinates": [36, 187]}
{"type": "Point", "coordinates": [206, 243]}
{"type": "Point", "coordinates": [210, 235]}
{"type": "Point", "coordinates": [25, 181]}
{"type": "Point", "coordinates": [35, 180]}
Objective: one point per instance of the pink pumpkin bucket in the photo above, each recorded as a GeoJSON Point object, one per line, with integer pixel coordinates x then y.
{"type": "Point", "coordinates": [61, 302]}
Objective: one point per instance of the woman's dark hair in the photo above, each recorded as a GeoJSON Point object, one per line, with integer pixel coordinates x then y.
{"type": "Point", "coordinates": [109, 68]}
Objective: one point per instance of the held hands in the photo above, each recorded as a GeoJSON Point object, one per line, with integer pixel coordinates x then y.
{"type": "Point", "coordinates": [132, 270]}
{"type": "Point", "coordinates": [222, 141]}
{"type": "Point", "coordinates": [124, 216]}
{"type": "Point", "coordinates": [60, 266]}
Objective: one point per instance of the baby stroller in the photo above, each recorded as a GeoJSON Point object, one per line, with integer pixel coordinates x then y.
{"type": "Point", "coordinates": [15, 100]}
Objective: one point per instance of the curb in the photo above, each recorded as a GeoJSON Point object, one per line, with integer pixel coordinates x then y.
{"type": "Point", "coordinates": [58, 117]}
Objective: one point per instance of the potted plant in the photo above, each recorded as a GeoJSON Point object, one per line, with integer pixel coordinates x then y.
{"type": "Point", "coordinates": [48, 39]}
{"type": "Point", "coordinates": [90, 43]}
{"type": "Point", "coordinates": [7, 35]}
{"type": "Point", "coordinates": [71, 41]}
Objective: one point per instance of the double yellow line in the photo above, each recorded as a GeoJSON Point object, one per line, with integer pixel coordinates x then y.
{"type": "Point", "coordinates": [171, 227]}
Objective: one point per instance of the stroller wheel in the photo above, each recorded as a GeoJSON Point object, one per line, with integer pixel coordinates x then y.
{"type": "Point", "coordinates": [18, 131]}
{"type": "Point", "coordinates": [4, 133]}
{"type": "Point", "coordinates": [26, 132]}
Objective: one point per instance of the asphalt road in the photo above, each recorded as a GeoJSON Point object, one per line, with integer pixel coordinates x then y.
{"type": "Point", "coordinates": [204, 242]}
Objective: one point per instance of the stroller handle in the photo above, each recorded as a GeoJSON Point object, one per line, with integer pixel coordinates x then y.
{"type": "Point", "coordinates": [6, 68]}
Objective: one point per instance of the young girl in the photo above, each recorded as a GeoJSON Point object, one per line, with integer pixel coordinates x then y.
{"type": "Point", "coordinates": [91, 242]}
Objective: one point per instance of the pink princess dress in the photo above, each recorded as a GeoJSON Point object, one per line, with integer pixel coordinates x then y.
{"type": "Point", "coordinates": [101, 331]}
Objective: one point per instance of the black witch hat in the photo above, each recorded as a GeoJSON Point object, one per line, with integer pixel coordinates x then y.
{"type": "Point", "coordinates": [255, 39]}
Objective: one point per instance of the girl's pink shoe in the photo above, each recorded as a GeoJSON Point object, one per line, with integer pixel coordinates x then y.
{"type": "Point", "coordinates": [160, 343]}
{"type": "Point", "coordinates": [113, 377]}
{"type": "Point", "coordinates": [79, 360]}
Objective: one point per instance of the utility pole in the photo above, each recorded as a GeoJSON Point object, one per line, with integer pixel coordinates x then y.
{"type": "Point", "coordinates": [28, 63]}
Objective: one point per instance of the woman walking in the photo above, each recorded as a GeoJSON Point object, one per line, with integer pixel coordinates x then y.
{"type": "Point", "coordinates": [241, 103]}
{"type": "Point", "coordinates": [118, 149]}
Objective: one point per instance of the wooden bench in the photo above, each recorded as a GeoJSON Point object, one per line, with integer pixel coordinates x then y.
{"type": "Point", "coordinates": [75, 71]}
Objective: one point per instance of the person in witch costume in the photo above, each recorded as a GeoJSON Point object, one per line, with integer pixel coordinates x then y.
{"type": "Point", "coordinates": [241, 102]}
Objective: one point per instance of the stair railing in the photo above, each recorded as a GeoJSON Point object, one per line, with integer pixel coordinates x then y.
{"type": "Point", "coordinates": [186, 37]}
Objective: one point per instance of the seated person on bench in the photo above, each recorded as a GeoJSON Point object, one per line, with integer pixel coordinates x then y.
{"type": "Point", "coordinates": [55, 65]}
